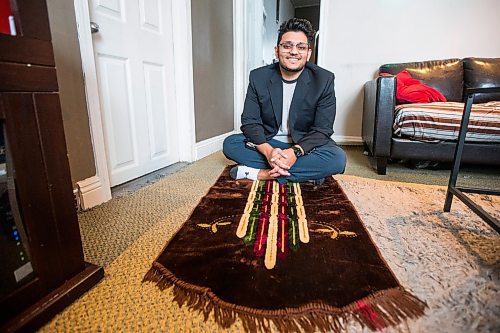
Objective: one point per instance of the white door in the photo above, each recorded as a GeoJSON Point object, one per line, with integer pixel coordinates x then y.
{"type": "Point", "coordinates": [133, 52]}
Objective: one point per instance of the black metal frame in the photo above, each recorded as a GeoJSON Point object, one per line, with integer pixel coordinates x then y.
{"type": "Point", "coordinates": [453, 190]}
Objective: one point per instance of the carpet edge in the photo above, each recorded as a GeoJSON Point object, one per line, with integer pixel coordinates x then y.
{"type": "Point", "coordinates": [384, 308]}
{"type": "Point", "coordinates": [367, 231]}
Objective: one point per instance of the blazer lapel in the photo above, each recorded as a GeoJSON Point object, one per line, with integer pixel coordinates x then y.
{"type": "Point", "coordinates": [298, 96]}
{"type": "Point", "coordinates": [276, 91]}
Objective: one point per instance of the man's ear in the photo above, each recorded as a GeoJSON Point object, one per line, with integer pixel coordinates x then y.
{"type": "Point", "coordinates": [276, 52]}
{"type": "Point", "coordinates": [309, 54]}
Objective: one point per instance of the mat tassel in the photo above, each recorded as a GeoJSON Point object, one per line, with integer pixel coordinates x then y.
{"type": "Point", "coordinates": [385, 308]}
{"type": "Point", "coordinates": [370, 316]}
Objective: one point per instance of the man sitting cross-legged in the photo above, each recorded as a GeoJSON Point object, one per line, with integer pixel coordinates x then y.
{"type": "Point", "coordinates": [288, 116]}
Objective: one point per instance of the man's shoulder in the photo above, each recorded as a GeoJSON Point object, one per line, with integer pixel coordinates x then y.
{"type": "Point", "coordinates": [316, 70]}
{"type": "Point", "coordinates": [264, 71]}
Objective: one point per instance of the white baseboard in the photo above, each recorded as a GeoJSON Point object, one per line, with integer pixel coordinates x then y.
{"type": "Point", "coordinates": [348, 140]}
{"type": "Point", "coordinates": [91, 192]}
{"type": "Point", "coordinates": [210, 146]}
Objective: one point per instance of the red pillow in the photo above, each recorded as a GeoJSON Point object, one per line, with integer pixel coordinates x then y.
{"type": "Point", "coordinates": [410, 90]}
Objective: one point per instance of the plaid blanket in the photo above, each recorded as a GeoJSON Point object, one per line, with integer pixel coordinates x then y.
{"type": "Point", "coordinates": [440, 121]}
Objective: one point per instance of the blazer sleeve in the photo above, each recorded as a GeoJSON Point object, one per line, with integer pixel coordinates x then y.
{"type": "Point", "coordinates": [251, 120]}
{"type": "Point", "coordinates": [322, 130]}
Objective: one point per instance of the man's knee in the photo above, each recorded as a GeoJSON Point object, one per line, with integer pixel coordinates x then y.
{"type": "Point", "coordinates": [337, 160]}
{"type": "Point", "coordinates": [228, 146]}
{"type": "Point", "coordinates": [340, 162]}
{"type": "Point", "coordinates": [232, 144]}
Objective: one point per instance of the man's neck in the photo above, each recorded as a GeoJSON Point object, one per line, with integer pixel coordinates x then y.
{"type": "Point", "coordinates": [290, 76]}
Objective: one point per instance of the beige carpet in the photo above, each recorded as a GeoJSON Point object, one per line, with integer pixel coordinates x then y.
{"type": "Point", "coordinates": [479, 176]}
{"type": "Point", "coordinates": [451, 260]}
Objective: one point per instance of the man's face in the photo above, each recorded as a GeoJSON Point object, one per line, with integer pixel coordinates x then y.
{"type": "Point", "coordinates": [290, 51]}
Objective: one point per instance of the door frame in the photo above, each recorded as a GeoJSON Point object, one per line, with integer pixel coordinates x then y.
{"type": "Point", "coordinates": [240, 59]}
{"type": "Point", "coordinates": [96, 189]}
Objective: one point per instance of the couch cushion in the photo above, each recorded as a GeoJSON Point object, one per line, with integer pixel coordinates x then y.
{"type": "Point", "coordinates": [441, 122]}
{"type": "Point", "coordinates": [446, 76]}
{"type": "Point", "coordinates": [482, 73]}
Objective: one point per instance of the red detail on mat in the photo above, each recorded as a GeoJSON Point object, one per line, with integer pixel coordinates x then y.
{"type": "Point", "coordinates": [259, 247]}
{"type": "Point", "coordinates": [282, 242]}
{"type": "Point", "coordinates": [367, 312]}
{"type": "Point", "coordinates": [5, 12]}
{"type": "Point", "coordinates": [410, 90]}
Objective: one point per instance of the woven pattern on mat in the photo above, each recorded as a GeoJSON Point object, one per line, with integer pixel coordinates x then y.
{"type": "Point", "coordinates": [297, 256]}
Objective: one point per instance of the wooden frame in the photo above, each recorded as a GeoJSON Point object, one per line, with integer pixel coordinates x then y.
{"type": "Point", "coordinates": [31, 112]}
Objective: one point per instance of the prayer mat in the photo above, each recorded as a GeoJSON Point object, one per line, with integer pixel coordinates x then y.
{"type": "Point", "coordinates": [294, 255]}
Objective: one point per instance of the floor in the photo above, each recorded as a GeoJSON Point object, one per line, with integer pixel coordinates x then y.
{"type": "Point", "coordinates": [135, 184]}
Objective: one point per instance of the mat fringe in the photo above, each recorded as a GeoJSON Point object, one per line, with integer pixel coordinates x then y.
{"type": "Point", "coordinates": [390, 307]}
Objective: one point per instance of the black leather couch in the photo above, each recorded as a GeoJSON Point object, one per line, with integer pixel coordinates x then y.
{"type": "Point", "coordinates": [451, 77]}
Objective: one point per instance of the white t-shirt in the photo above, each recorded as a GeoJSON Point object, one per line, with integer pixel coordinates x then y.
{"type": "Point", "coordinates": [283, 134]}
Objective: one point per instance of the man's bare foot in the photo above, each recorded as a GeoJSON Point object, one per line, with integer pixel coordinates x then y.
{"type": "Point", "coordinates": [264, 174]}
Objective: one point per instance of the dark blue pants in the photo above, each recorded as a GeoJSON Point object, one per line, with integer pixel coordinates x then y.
{"type": "Point", "coordinates": [321, 162]}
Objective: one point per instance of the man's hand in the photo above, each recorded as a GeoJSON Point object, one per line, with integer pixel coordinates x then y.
{"type": "Point", "coordinates": [273, 156]}
{"type": "Point", "coordinates": [285, 159]}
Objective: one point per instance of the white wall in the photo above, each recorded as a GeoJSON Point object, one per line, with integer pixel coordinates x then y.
{"type": "Point", "coordinates": [271, 27]}
{"type": "Point", "coordinates": [254, 34]}
{"type": "Point", "coordinates": [360, 35]}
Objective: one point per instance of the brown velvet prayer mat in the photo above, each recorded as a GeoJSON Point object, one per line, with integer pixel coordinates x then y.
{"type": "Point", "coordinates": [294, 255]}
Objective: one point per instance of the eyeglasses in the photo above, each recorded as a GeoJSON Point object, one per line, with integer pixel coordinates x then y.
{"type": "Point", "coordinates": [301, 47]}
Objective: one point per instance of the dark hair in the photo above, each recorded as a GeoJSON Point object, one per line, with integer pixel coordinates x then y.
{"type": "Point", "coordinates": [297, 24]}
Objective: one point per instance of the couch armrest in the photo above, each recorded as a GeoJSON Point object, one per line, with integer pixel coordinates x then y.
{"type": "Point", "coordinates": [378, 115]}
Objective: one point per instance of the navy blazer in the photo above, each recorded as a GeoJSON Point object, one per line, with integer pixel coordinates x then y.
{"type": "Point", "coordinates": [312, 111]}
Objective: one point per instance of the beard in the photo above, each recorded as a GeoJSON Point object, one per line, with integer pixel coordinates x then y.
{"type": "Point", "coordinates": [293, 70]}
